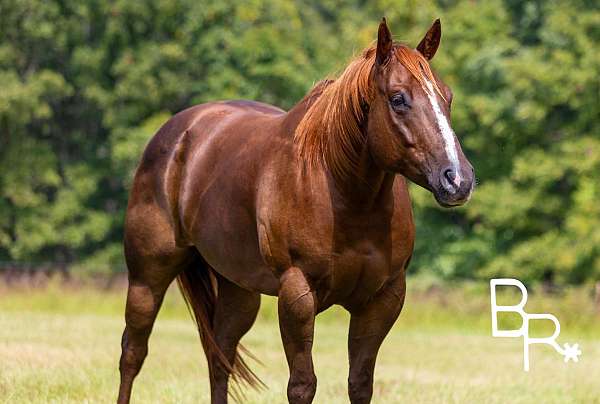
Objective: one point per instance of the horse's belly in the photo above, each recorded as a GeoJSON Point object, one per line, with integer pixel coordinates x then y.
{"type": "Point", "coordinates": [233, 251]}
{"type": "Point", "coordinates": [220, 225]}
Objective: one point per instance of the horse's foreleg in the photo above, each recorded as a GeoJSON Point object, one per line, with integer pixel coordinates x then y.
{"type": "Point", "coordinates": [235, 312]}
{"type": "Point", "coordinates": [297, 309]}
{"type": "Point", "coordinates": [368, 327]}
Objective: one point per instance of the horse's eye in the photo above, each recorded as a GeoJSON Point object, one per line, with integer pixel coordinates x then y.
{"type": "Point", "coordinates": [399, 102]}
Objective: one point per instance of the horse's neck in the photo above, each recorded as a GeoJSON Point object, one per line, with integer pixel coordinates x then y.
{"type": "Point", "coordinates": [368, 187]}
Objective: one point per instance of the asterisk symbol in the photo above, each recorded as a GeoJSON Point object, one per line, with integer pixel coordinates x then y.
{"type": "Point", "coordinates": [572, 352]}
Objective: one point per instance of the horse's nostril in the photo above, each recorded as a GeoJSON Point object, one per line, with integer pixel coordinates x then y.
{"type": "Point", "coordinates": [451, 180]}
{"type": "Point", "coordinates": [450, 175]}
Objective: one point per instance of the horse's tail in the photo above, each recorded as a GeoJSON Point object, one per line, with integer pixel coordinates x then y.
{"type": "Point", "coordinates": [198, 285]}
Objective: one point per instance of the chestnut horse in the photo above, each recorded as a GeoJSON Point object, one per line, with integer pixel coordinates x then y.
{"type": "Point", "coordinates": [239, 198]}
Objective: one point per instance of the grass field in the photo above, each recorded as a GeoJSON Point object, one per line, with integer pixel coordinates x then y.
{"type": "Point", "coordinates": [62, 345]}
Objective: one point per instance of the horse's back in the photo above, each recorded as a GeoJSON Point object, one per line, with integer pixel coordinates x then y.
{"type": "Point", "coordinates": [159, 148]}
{"type": "Point", "coordinates": [255, 106]}
{"type": "Point", "coordinates": [204, 120]}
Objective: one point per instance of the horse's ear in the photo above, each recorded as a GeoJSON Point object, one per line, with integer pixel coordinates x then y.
{"type": "Point", "coordinates": [430, 42]}
{"type": "Point", "coordinates": [384, 43]}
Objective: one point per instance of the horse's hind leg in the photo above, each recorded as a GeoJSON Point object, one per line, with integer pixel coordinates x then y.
{"type": "Point", "coordinates": [153, 262]}
{"type": "Point", "coordinates": [235, 312]}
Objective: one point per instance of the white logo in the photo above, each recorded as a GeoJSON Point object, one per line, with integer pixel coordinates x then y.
{"type": "Point", "coordinates": [568, 351]}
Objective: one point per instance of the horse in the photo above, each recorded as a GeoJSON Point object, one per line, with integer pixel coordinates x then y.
{"type": "Point", "coordinates": [235, 199]}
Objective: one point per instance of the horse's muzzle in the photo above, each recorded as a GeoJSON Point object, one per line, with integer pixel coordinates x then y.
{"type": "Point", "coordinates": [454, 187]}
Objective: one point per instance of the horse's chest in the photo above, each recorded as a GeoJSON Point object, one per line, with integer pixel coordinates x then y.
{"type": "Point", "coordinates": [348, 257]}
{"type": "Point", "coordinates": [357, 269]}
{"type": "Point", "coordinates": [361, 269]}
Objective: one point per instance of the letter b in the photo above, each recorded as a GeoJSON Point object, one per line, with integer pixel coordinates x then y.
{"type": "Point", "coordinates": [518, 308]}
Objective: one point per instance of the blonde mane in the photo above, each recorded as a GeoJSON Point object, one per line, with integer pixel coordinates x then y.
{"type": "Point", "coordinates": [331, 131]}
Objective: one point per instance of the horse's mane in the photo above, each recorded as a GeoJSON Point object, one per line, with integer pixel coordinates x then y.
{"type": "Point", "coordinates": [331, 131]}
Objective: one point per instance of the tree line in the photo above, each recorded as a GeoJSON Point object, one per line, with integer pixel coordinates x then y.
{"type": "Point", "coordinates": [84, 85]}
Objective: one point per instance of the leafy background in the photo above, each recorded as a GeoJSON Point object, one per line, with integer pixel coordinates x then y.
{"type": "Point", "coordinates": [84, 85]}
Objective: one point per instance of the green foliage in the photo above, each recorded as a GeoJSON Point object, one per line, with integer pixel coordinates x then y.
{"type": "Point", "coordinates": [84, 85]}
{"type": "Point", "coordinates": [527, 109]}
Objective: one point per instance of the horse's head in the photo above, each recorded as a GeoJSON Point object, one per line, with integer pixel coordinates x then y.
{"type": "Point", "coordinates": [409, 128]}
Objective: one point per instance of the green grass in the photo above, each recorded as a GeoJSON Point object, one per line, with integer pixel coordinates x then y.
{"type": "Point", "coordinates": [62, 345]}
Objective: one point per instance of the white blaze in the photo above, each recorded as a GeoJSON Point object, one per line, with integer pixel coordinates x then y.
{"type": "Point", "coordinates": [445, 130]}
